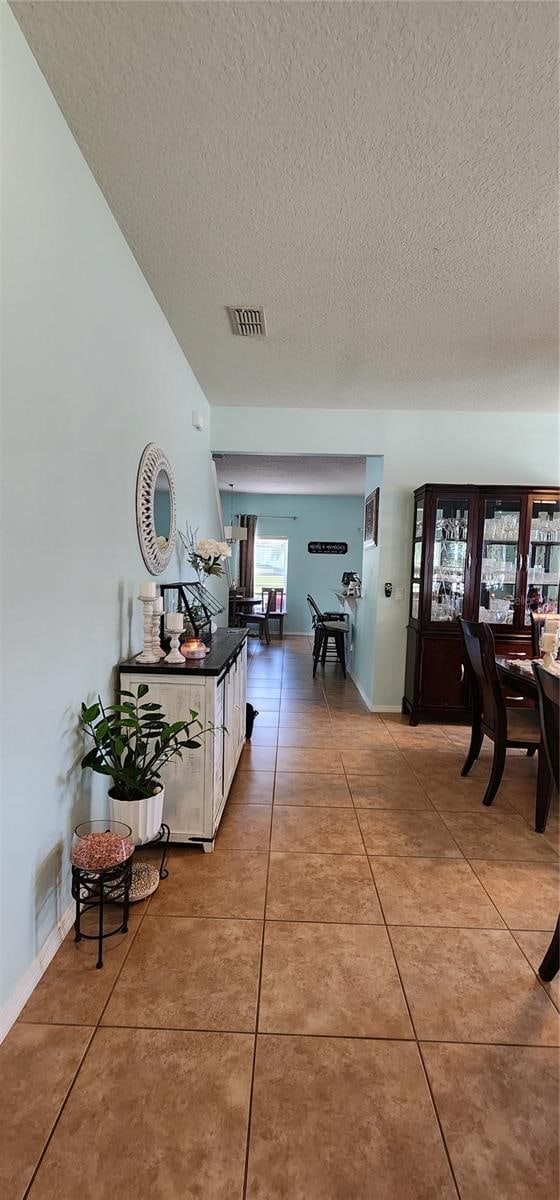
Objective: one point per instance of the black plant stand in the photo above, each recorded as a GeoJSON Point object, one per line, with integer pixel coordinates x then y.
{"type": "Point", "coordinates": [161, 838]}
{"type": "Point", "coordinates": [95, 889]}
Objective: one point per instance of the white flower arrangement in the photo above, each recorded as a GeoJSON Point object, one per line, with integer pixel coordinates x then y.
{"type": "Point", "coordinates": [205, 554]}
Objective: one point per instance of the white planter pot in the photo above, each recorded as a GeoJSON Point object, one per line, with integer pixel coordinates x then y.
{"type": "Point", "coordinates": [143, 816]}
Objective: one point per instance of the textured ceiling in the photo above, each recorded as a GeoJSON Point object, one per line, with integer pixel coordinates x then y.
{"type": "Point", "coordinates": [292, 474]}
{"type": "Point", "coordinates": [380, 176]}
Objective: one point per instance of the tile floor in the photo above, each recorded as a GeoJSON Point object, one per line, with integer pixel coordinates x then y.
{"type": "Point", "coordinates": [340, 1003]}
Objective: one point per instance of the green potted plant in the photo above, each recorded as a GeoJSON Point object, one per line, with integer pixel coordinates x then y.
{"type": "Point", "coordinates": [132, 742]}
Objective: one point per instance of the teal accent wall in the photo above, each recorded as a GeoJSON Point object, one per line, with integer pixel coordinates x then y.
{"type": "Point", "coordinates": [318, 518]}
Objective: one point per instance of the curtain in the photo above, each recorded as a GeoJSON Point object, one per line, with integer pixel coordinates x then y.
{"type": "Point", "coordinates": [247, 553]}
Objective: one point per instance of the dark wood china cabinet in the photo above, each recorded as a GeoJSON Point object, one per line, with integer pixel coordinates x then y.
{"type": "Point", "coordinates": [489, 554]}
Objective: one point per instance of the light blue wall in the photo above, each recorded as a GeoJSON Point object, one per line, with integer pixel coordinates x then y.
{"type": "Point", "coordinates": [91, 373]}
{"type": "Point", "coordinates": [319, 518]}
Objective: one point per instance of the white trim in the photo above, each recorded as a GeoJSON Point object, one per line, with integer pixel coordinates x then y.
{"type": "Point", "coordinates": [367, 702]}
{"type": "Point", "coordinates": [387, 708]}
{"type": "Point", "coordinates": [27, 985]}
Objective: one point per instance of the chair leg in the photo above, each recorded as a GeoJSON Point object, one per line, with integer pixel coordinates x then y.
{"type": "Point", "coordinates": [544, 791]}
{"type": "Point", "coordinates": [498, 764]}
{"type": "Point", "coordinates": [316, 651]}
{"type": "Point", "coordinates": [266, 627]}
{"type": "Point", "coordinates": [477, 738]}
{"type": "Point", "coordinates": [531, 751]}
{"type": "Point", "coordinates": [551, 962]}
{"type": "Point", "coordinates": [324, 650]}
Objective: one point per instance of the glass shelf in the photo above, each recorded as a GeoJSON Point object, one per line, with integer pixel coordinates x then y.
{"type": "Point", "coordinates": [543, 567]}
{"type": "Point", "coordinates": [500, 561]}
{"type": "Point", "coordinates": [449, 558]}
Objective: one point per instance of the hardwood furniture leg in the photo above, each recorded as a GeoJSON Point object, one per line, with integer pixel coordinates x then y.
{"type": "Point", "coordinates": [477, 738]}
{"type": "Point", "coordinates": [544, 791]}
{"type": "Point", "coordinates": [551, 962]}
{"type": "Point", "coordinates": [340, 652]}
{"type": "Point", "coordinates": [498, 764]}
{"type": "Point", "coordinates": [317, 650]}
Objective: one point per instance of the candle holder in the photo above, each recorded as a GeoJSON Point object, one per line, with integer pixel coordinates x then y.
{"type": "Point", "coordinates": [549, 647]}
{"type": "Point", "coordinates": [156, 647]}
{"type": "Point", "coordinates": [194, 648]}
{"type": "Point", "coordinates": [147, 655]}
{"type": "Point", "coordinates": [174, 655]}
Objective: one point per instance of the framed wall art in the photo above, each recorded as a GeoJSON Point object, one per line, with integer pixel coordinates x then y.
{"type": "Point", "coordinates": [371, 518]}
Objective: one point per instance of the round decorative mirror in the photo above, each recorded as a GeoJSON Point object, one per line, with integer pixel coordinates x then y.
{"type": "Point", "coordinates": [156, 517]}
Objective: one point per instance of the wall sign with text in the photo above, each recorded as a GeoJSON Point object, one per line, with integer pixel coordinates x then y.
{"type": "Point", "coordinates": [327, 547]}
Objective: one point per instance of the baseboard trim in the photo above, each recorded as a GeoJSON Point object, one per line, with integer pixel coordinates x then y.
{"type": "Point", "coordinates": [367, 702]}
{"type": "Point", "coordinates": [26, 986]}
{"type": "Point", "coordinates": [387, 708]}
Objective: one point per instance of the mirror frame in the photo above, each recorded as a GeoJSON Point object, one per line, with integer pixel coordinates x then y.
{"type": "Point", "coordinates": [153, 461]}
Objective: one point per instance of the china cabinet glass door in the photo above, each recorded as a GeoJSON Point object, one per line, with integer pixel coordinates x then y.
{"type": "Point", "coordinates": [416, 560]}
{"type": "Point", "coordinates": [543, 559]}
{"type": "Point", "coordinates": [500, 561]}
{"type": "Point", "coordinates": [450, 558]}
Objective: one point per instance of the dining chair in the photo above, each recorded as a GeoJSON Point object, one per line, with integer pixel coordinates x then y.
{"type": "Point", "coordinates": [508, 728]}
{"type": "Point", "coordinates": [548, 688]}
{"type": "Point", "coordinates": [278, 611]}
{"type": "Point", "coordinates": [261, 618]}
{"type": "Point", "coordinates": [327, 627]}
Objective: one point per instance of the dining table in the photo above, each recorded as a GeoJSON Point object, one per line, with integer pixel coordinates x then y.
{"type": "Point", "coordinates": [517, 675]}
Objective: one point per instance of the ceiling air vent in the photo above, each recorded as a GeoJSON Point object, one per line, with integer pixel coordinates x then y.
{"type": "Point", "coordinates": [247, 322]}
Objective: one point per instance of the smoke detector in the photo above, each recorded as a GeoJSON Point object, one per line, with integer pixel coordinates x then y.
{"type": "Point", "coordinates": [247, 322]}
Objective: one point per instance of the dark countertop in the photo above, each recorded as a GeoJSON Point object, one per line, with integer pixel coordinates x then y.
{"type": "Point", "coordinates": [225, 644]}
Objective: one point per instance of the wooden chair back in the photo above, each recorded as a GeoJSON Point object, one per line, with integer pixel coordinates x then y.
{"type": "Point", "coordinates": [548, 688]}
{"type": "Point", "coordinates": [277, 599]}
{"type": "Point", "coordinates": [478, 640]}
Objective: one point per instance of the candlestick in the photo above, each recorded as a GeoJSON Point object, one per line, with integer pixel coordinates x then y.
{"type": "Point", "coordinates": [174, 655]}
{"type": "Point", "coordinates": [157, 610]}
{"type": "Point", "coordinates": [175, 621]}
{"type": "Point", "coordinates": [147, 655]}
{"type": "Point", "coordinates": [148, 590]}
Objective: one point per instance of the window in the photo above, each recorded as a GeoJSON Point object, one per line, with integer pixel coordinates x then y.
{"type": "Point", "coordinates": [271, 563]}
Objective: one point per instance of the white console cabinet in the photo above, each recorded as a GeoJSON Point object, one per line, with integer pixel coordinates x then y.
{"type": "Point", "coordinates": [197, 787]}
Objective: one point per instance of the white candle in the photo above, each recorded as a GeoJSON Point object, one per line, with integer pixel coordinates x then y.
{"type": "Point", "coordinates": [148, 590]}
{"type": "Point", "coordinates": [175, 622]}
{"type": "Point", "coordinates": [158, 605]}
{"type": "Point", "coordinates": [551, 623]}
{"type": "Point", "coordinates": [548, 642]}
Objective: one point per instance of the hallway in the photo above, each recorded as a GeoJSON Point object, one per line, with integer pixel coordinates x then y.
{"type": "Point", "coordinates": [405, 1046]}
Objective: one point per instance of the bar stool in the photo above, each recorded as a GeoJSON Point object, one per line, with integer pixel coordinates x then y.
{"type": "Point", "coordinates": [326, 631]}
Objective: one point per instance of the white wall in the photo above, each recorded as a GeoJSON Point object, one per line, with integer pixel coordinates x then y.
{"type": "Point", "coordinates": [418, 447]}
{"type": "Point", "coordinates": [91, 373]}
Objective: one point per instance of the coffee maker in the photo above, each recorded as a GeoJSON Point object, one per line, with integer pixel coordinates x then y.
{"type": "Point", "coordinates": [351, 584]}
